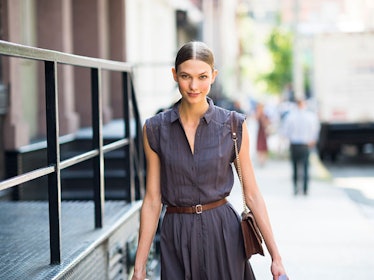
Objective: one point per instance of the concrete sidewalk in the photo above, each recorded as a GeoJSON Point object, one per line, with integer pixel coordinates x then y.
{"type": "Point", "coordinates": [324, 235]}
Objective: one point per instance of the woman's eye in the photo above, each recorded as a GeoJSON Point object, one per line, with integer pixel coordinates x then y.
{"type": "Point", "coordinates": [203, 77]}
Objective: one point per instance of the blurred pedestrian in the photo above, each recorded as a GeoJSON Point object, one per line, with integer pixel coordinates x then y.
{"type": "Point", "coordinates": [189, 151]}
{"type": "Point", "coordinates": [262, 134]}
{"type": "Point", "coordinates": [301, 127]}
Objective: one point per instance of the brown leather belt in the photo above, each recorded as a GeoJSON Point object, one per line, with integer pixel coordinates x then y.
{"type": "Point", "coordinates": [196, 209]}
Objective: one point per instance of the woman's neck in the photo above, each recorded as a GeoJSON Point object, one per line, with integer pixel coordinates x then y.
{"type": "Point", "coordinates": [191, 113]}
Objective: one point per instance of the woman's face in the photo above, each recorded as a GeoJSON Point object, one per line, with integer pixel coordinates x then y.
{"type": "Point", "coordinates": [194, 78]}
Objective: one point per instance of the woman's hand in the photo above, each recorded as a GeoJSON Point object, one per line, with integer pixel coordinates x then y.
{"type": "Point", "coordinates": [139, 275]}
{"type": "Point", "coordinates": [278, 270]}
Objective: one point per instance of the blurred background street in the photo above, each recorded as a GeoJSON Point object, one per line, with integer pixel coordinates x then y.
{"type": "Point", "coordinates": [268, 53]}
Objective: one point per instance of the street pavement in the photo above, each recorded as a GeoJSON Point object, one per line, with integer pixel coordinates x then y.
{"type": "Point", "coordinates": [324, 235]}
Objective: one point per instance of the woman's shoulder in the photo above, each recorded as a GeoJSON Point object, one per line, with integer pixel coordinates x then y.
{"type": "Point", "coordinates": [224, 114]}
{"type": "Point", "coordinates": [160, 118]}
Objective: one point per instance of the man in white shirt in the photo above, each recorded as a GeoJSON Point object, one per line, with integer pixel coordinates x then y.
{"type": "Point", "coordinates": [301, 127]}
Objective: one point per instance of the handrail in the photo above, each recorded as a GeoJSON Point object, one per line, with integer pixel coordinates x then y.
{"type": "Point", "coordinates": [28, 176]}
{"type": "Point", "coordinates": [22, 51]}
{"type": "Point", "coordinates": [131, 143]}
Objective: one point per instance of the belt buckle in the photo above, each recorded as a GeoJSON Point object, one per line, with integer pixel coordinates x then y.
{"type": "Point", "coordinates": [198, 209]}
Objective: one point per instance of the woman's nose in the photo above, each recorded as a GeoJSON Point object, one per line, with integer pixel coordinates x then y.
{"type": "Point", "coordinates": [193, 84]}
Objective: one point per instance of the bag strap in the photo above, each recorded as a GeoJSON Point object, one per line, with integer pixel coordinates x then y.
{"type": "Point", "coordinates": [235, 139]}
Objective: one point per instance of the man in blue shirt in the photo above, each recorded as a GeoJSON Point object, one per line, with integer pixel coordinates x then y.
{"type": "Point", "coordinates": [301, 127]}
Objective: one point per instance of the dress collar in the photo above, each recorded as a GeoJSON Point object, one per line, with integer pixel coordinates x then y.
{"type": "Point", "coordinates": [207, 116]}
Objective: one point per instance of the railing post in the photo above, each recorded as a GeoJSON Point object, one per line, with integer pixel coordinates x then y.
{"type": "Point", "coordinates": [129, 149]}
{"type": "Point", "coordinates": [53, 154]}
{"type": "Point", "coordinates": [97, 141]}
{"type": "Point", "coordinates": [140, 184]}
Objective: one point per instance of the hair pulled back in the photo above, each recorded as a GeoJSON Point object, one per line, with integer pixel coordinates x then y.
{"type": "Point", "coordinates": [194, 50]}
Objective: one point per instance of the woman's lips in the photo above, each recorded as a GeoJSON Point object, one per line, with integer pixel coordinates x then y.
{"type": "Point", "coordinates": [193, 94]}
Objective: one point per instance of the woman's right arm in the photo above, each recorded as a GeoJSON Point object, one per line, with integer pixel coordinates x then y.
{"type": "Point", "coordinates": [150, 212]}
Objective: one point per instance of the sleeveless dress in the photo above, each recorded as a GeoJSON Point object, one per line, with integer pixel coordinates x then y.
{"type": "Point", "coordinates": [206, 246]}
{"type": "Point", "coordinates": [262, 145]}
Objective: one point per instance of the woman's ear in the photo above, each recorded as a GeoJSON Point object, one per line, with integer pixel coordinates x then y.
{"type": "Point", "coordinates": [214, 75]}
{"type": "Point", "coordinates": [174, 74]}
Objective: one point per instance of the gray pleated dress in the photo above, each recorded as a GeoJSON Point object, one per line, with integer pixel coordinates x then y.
{"type": "Point", "coordinates": [206, 246]}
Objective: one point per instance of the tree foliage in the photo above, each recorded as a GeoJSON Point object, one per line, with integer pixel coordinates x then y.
{"type": "Point", "coordinates": [280, 48]}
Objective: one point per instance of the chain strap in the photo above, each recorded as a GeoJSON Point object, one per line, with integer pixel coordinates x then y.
{"type": "Point", "coordinates": [234, 138]}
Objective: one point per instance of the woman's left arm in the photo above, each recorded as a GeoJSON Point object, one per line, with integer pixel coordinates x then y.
{"type": "Point", "coordinates": [257, 205]}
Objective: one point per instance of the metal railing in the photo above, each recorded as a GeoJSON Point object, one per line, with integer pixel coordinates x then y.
{"type": "Point", "coordinates": [132, 142]}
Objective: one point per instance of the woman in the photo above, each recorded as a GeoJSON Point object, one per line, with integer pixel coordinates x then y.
{"type": "Point", "coordinates": [263, 123]}
{"type": "Point", "coordinates": [189, 152]}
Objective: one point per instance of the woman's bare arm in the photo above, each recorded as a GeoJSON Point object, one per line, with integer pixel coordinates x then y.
{"type": "Point", "coordinates": [150, 212]}
{"type": "Point", "coordinates": [257, 205]}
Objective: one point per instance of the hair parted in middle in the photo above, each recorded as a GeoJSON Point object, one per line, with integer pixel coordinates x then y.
{"type": "Point", "coordinates": [194, 50]}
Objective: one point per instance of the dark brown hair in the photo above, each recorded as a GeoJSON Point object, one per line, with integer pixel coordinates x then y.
{"type": "Point", "coordinates": [194, 50]}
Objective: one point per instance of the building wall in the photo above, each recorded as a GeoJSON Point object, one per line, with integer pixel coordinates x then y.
{"type": "Point", "coordinates": [327, 16]}
{"type": "Point", "coordinates": [19, 122]}
{"type": "Point", "coordinates": [142, 32]}
{"type": "Point", "coordinates": [99, 28]}
{"type": "Point", "coordinates": [151, 46]}
{"type": "Point", "coordinates": [55, 17]}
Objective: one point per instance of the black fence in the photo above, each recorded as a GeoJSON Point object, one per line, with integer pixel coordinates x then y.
{"type": "Point", "coordinates": [131, 143]}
